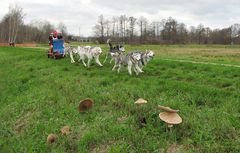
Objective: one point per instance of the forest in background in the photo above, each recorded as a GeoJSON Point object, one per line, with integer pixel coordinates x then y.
{"type": "Point", "coordinates": [126, 29]}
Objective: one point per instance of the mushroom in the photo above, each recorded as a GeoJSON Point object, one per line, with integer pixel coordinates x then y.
{"type": "Point", "coordinates": [141, 118]}
{"type": "Point", "coordinates": [85, 105]}
{"type": "Point", "coordinates": [170, 116]}
{"type": "Point", "coordinates": [51, 138]}
{"type": "Point", "coordinates": [140, 101]}
{"type": "Point", "coordinates": [167, 109]}
{"type": "Point", "coordinates": [65, 130]}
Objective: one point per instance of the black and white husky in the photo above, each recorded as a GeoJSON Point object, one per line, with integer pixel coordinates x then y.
{"type": "Point", "coordinates": [130, 60]}
{"type": "Point", "coordinates": [136, 60]}
{"type": "Point", "coordinates": [71, 51]}
{"type": "Point", "coordinates": [119, 49]}
{"type": "Point", "coordinates": [146, 57]}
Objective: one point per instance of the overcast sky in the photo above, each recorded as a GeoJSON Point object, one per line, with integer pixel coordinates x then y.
{"type": "Point", "coordinates": [83, 14]}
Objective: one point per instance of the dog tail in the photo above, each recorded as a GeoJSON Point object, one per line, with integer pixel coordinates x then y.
{"type": "Point", "coordinates": [109, 44]}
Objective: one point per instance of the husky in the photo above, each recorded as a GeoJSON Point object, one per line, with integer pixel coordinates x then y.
{"type": "Point", "coordinates": [146, 57]}
{"type": "Point", "coordinates": [83, 52]}
{"type": "Point", "coordinates": [66, 49]}
{"type": "Point", "coordinates": [131, 60]}
{"type": "Point", "coordinates": [90, 53]}
{"type": "Point", "coordinates": [118, 48]}
{"type": "Point", "coordinates": [71, 51]}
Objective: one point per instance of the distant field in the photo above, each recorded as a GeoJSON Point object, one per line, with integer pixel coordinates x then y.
{"type": "Point", "coordinates": [39, 96]}
{"type": "Point", "coordinates": [228, 54]}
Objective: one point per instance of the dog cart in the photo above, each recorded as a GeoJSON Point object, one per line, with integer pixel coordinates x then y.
{"type": "Point", "coordinates": [56, 46]}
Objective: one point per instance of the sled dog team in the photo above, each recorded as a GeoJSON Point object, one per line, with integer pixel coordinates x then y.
{"type": "Point", "coordinates": [135, 60]}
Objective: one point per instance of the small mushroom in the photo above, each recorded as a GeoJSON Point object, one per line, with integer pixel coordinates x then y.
{"type": "Point", "coordinates": [167, 109]}
{"type": "Point", "coordinates": [171, 118]}
{"type": "Point", "coordinates": [65, 130]}
{"type": "Point", "coordinates": [140, 101]}
{"type": "Point", "coordinates": [85, 105]}
{"type": "Point", "coordinates": [51, 138]}
{"type": "Point", "coordinates": [141, 119]}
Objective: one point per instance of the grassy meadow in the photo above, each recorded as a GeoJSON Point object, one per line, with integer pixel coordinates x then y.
{"type": "Point", "coordinates": [39, 96]}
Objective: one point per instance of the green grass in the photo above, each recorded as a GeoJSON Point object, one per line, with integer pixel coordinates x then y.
{"type": "Point", "coordinates": [39, 96]}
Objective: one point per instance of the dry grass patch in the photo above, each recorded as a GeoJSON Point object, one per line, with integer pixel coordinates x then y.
{"type": "Point", "coordinates": [22, 122]}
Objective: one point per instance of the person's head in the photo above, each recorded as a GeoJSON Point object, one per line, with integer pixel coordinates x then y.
{"type": "Point", "coordinates": [59, 36]}
{"type": "Point", "coordinates": [55, 33]}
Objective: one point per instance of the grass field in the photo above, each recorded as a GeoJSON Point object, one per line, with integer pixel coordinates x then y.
{"type": "Point", "coordinates": [38, 96]}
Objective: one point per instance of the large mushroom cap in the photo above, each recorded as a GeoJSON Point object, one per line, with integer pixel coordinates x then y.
{"type": "Point", "coordinates": [140, 101]}
{"type": "Point", "coordinates": [167, 109]}
{"type": "Point", "coordinates": [85, 105]}
{"type": "Point", "coordinates": [170, 118]}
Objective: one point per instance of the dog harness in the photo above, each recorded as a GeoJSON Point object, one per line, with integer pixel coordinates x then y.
{"type": "Point", "coordinates": [142, 59]}
{"type": "Point", "coordinates": [132, 59]}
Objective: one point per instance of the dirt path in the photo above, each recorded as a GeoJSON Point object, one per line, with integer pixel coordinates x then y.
{"type": "Point", "coordinates": [206, 63]}
{"type": "Point", "coordinates": [45, 48]}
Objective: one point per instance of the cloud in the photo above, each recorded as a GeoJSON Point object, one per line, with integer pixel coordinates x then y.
{"type": "Point", "coordinates": [83, 14]}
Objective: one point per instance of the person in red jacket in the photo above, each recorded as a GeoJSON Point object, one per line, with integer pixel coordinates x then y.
{"type": "Point", "coordinates": [55, 34]}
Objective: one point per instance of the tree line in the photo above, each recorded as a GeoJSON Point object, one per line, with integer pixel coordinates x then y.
{"type": "Point", "coordinates": [166, 31]}
{"type": "Point", "coordinates": [121, 28]}
{"type": "Point", "coordinates": [13, 28]}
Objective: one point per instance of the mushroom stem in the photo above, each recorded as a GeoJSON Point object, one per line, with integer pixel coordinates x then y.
{"type": "Point", "coordinates": [169, 128]}
{"type": "Point", "coordinates": [170, 125]}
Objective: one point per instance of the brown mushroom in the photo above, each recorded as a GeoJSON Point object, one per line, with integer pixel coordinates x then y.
{"type": "Point", "coordinates": [141, 119]}
{"type": "Point", "coordinates": [140, 101]}
{"type": "Point", "coordinates": [167, 109]}
{"type": "Point", "coordinates": [65, 130]}
{"type": "Point", "coordinates": [85, 105]}
{"type": "Point", "coordinates": [171, 118]}
{"type": "Point", "coordinates": [51, 138]}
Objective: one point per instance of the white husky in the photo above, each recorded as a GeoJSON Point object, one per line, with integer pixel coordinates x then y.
{"type": "Point", "coordinates": [83, 52]}
{"type": "Point", "coordinates": [90, 53]}
{"type": "Point", "coordinates": [71, 51]}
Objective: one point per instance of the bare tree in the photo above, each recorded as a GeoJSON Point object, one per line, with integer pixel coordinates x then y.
{"type": "Point", "coordinates": [107, 27]}
{"type": "Point", "coordinates": [156, 29]}
{"type": "Point", "coordinates": [63, 29]}
{"type": "Point", "coordinates": [142, 22]}
{"type": "Point", "coordinates": [192, 34]}
{"type": "Point", "coordinates": [114, 23]}
{"type": "Point", "coordinates": [99, 28]}
{"type": "Point", "coordinates": [40, 30]}
{"type": "Point", "coordinates": [164, 31]}
{"type": "Point", "coordinates": [235, 32]}
{"type": "Point", "coordinates": [132, 24]}
{"type": "Point", "coordinates": [13, 29]}
{"type": "Point", "coordinates": [5, 28]}
{"type": "Point", "coordinates": [169, 31]}
{"type": "Point", "coordinates": [207, 35]}
{"type": "Point", "coordinates": [200, 32]}
{"type": "Point", "coordinates": [181, 33]}
{"type": "Point", "coordinates": [16, 16]}
{"type": "Point", "coordinates": [123, 26]}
